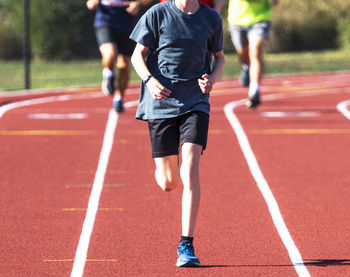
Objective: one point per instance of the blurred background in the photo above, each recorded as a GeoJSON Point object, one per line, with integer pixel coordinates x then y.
{"type": "Point", "coordinates": [51, 43]}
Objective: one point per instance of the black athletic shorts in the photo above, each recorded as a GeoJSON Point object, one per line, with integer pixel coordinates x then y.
{"type": "Point", "coordinates": [167, 134]}
{"type": "Point", "coordinates": [125, 45]}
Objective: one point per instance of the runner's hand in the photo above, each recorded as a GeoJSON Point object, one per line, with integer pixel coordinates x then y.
{"type": "Point", "coordinates": [206, 83]}
{"type": "Point", "coordinates": [157, 90]}
{"type": "Point", "coordinates": [133, 8]}
{"type": "Point", "coordinates": [92, 4]}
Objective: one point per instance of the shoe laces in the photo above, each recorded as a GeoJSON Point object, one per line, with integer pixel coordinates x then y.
{"type": "Point", "coordinates": [187, 249]}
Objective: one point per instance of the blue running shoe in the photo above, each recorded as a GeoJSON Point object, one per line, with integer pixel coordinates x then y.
{"type": "Point", "coordinates": [185, 251]}
{"type": "Point", "coordinates": [245, 75]}
{"type": "Point", "coordinates": [118, 105]}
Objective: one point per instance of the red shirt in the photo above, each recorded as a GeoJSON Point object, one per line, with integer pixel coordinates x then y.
{"type": "Point", "coordinates": [209, 3]}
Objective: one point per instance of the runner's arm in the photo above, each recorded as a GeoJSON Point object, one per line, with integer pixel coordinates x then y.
{"type": "Point", "coordinates": [218, 5]}
{"type": "Point", "coordinates": [157, 90]}
{"type": "Point", "coordinates": [135, 6]}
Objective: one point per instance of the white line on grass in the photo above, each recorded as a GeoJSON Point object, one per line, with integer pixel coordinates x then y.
{"type": "Point", "coordinates": [342, 108]}
{"type": "Point", "coordinates": [264, 186]}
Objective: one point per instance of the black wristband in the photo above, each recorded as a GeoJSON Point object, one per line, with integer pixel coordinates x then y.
{"type": "Point", "coordinates": [145, 80]}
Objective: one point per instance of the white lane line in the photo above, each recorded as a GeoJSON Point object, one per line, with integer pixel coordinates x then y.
{"type": "Point", "coordinates": [43, 100]}
{"type": "Point", "coordinates": [58, 116]}
{"type": "Point", "coordinates": [131, 104]}
{"type": "Point", "coordinates": [81, 254]}
{"type": "Point", "coordinates": [264, 186]}
{"type": "Point", "coordinates": [83, 245]}
{"type": "Point", "coordinates": [290, 114]}
{"type": "Point", "coordinates": [343, 108]}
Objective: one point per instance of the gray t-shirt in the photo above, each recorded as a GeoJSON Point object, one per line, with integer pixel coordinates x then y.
{"type": "Point", "coordinates": [181, 47]}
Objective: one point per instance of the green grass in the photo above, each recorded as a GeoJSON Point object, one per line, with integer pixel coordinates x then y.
{"type": "Point", "coordinates": [78, 73]}
{"type": "Point", "coordinates": [322, 61]}
{"type": "Point", "coordinates": [296, 63]}
{"type": "Point", "coordinates": [50, 74]}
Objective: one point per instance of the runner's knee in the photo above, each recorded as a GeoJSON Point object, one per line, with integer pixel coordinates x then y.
{"type": "Point", "coordinates": [123, 62]}
{"type": "Point", "coordinates": [167, 182]}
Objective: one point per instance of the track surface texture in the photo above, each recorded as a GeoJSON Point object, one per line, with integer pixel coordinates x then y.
{"type": "Point", "coordinates": [78, 196]}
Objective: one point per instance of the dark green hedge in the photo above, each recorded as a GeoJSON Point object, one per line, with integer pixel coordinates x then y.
{"type": "Point", "coordinates": [63, 29]}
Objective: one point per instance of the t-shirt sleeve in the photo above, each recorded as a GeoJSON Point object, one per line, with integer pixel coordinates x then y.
{"type": "Point", "coordinates": [217, 39]}
{"type": "Point", "coordinates": [145, 30]}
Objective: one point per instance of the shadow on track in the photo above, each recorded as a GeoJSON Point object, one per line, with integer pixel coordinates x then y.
{"type": "Point", "coordinates": [326, 262]}
{"type": "Point", "coordinates": [307, 262]}
{"type": "Point", "coordinates": [5, 102]}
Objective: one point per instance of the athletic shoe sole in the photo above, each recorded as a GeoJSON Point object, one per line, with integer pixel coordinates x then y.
{"type": "Point", "coordinates": [118, 106]}
{"type": "Point", "coordinates": [253, 102]}
{"type": "Point", "coordinates": [188, 263]}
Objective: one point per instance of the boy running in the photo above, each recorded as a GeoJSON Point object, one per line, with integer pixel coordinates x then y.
{"type": "Point", "coordinates": [113, 24]}
{"type": "Point", "coordinates": [175, 44]}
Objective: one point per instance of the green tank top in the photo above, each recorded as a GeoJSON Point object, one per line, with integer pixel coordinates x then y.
{"type": "Point", "coordinates": [248, 12]}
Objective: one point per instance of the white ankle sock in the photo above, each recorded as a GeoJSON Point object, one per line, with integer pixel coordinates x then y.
{"type": "Point", "coordinates": [253, 89]}
{"type": "Point", "coordinates": [106, 73]}
{"type": "Point", "coordinates": [117, 97]}
{"type": "Point", "coordinates": [245, 66]}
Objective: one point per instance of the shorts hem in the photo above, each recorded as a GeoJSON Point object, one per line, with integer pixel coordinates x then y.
{"type": "Point", "coordinates": [163, 154]}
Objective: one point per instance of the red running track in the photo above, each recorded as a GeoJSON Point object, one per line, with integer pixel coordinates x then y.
{"type": "Point", "coordinates": [275, 185]}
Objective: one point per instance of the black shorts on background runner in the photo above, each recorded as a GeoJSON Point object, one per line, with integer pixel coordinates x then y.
{"type": "Point", "coordinates": [121, 38]}
{"type": "Point", "coordinates": [167, 134]}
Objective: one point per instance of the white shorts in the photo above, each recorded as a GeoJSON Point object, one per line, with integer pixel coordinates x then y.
{"type": "Point", "coordinates": [240, 36]}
